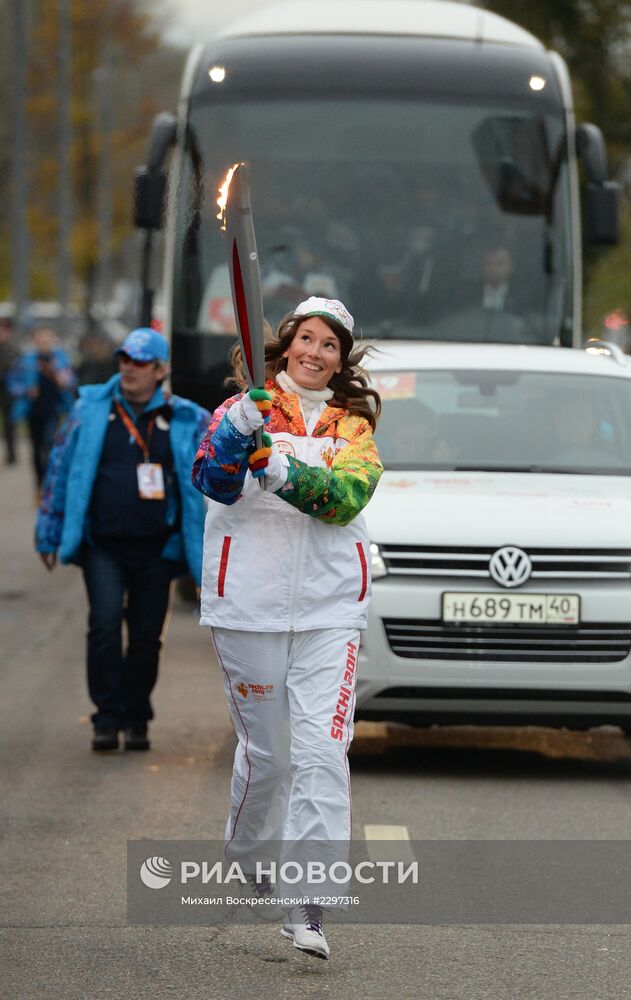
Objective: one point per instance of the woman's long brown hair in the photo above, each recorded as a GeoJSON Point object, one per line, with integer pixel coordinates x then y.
{"type": "Point", "coordinates": [350, 387]}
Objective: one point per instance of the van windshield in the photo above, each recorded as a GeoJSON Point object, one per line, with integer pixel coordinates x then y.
{"type": "Point", "coordinates": [504, 421]}
{"type": "Point", "coordinates": [450, 221]}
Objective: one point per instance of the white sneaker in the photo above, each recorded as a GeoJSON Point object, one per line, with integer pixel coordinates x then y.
{"type": "Point", "coordinates": [303, 924]}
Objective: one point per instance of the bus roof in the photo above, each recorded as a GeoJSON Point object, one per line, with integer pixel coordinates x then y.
{"type": "Point", "coordinates": [421, 18]}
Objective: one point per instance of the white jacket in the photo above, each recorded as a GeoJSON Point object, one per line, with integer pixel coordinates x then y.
{"type": "Point", "coordinates": [268, 566]}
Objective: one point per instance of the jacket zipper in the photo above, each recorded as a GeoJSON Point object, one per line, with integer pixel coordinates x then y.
{"type": "Point", "coordinates": [299, 546]}
{"type": "Point", "coordinates": [296, 576]}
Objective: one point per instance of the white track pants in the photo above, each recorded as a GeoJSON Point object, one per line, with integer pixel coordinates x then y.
{"type": "Point", "coordinates": [291, 698]}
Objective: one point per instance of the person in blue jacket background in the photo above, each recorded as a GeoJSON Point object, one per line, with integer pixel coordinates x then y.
{"type": "Point", "coordinates": [118, 501]}
{"type": "Point", "coordinates": [42, 384]}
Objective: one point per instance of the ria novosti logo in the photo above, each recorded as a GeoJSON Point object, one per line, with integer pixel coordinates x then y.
{"type": "Point", "coordinates": [156, 872]}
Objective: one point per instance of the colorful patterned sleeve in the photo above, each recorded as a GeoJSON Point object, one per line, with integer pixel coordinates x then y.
{"type": "Point", "coordinates": [221, 462]}
{"type": "Point", "coordinates": [339, 494]}
{"type": "Point", "coordinates": [50, 514]}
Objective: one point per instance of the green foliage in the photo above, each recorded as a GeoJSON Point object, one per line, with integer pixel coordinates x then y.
{"type": "Point", "coordinates": [609, 287]}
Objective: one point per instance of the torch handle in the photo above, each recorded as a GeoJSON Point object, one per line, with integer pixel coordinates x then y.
{"type": "Point", "coordinates": [258, 440]}
{"type": "Point", "coordinates": [245, 282]}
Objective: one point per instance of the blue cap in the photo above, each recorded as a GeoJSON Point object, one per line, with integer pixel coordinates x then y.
{"type": "Point", "coordinates": [145, 345]}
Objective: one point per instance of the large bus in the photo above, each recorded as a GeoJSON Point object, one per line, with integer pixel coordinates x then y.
{"type": "Point", "coordinates": [418, 159]}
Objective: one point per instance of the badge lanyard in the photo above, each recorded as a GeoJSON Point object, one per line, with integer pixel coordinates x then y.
{"type": "Point", "coordinates": [134, 432]}
{"type": "Point", "coordinates": [150, 475]}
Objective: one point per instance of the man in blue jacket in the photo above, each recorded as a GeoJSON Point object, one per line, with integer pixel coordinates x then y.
{"type": "Point", "coordinates": [42, 383]}
{"type": "Point", "coordinates": [118, 501]}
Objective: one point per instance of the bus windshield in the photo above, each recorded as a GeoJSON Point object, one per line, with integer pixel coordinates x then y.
{"type": "Point", "coordinates": [448, 221]}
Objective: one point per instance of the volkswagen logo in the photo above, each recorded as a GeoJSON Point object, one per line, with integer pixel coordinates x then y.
{"type": "Point", "coordinates": [510, 566]}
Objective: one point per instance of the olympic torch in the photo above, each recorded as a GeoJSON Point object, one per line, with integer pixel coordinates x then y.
{"type": "Point", "coordinates": [245, 278]}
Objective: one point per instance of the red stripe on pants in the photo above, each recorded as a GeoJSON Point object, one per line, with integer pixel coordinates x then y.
{"type": "Point", "coordinates": [247, 735]}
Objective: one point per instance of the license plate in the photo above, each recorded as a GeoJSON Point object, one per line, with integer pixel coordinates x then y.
{"type": "Point", "coordinates": [524, 609]}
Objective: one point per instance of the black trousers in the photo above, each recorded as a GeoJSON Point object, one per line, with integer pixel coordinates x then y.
{"type": "Point", "coordinates": [124, 583]}
{"type": "Point", "coordinates": [8, 429]}
{"type": "Point", "coordinates": [42, 430]}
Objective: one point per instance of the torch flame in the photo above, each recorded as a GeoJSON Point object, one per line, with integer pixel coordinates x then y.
{"type": "Point", "coordinates": [222, 200]}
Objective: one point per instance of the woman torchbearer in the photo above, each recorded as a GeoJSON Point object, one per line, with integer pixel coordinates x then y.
{"type": "Point", "coordinates": [286, 582]}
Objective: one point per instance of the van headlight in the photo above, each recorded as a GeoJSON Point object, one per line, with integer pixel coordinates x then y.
{"type": "Point", "coordinates": [377, 565]}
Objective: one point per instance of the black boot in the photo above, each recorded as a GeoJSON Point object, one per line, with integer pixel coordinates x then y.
{"type": "Point", "coordinates": [105, 738]}
{"type": "Point", "coordinates": [136, 737]}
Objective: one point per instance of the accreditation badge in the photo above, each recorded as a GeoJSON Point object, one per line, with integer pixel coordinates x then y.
{"type": "Point", "coordinates": [150, 481]}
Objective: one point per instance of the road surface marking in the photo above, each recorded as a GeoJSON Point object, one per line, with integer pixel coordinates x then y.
{"type": "Point", "coordinates": [388, 843]}
{"type": "Point", "coordinates": [378, 832]}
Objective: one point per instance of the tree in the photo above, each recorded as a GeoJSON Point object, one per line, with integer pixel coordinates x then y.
{"type": "Point", "coordinates": [143, 78]}
{"type": "Point", "coordinates": [92, 25]}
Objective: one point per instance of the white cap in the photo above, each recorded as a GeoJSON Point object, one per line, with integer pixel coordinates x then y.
{"type": "Point", "coordinates": [332, 308]}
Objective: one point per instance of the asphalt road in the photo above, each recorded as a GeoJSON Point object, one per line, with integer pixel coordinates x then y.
{"type": "Point", "coordinates": [67, 814]}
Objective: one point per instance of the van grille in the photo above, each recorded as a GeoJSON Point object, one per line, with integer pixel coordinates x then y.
{"type": "Point", "coordinates": [428, 639]}
{"type": "Point", "coordinates": [473, 561]}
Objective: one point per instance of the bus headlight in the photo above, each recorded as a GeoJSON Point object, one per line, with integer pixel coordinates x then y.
{"type": "Point", "coordinates": [377, 565]}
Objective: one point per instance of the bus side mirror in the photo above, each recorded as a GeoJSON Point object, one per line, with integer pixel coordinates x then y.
{"type": "Point", "coordinates": [602, 196]}
{"type": "Point", "coordinates": [149, 190]}
{"type": "Point", "coordinates": [602, 213]}
{"type": "Point", "coordinates": [150, 181]}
